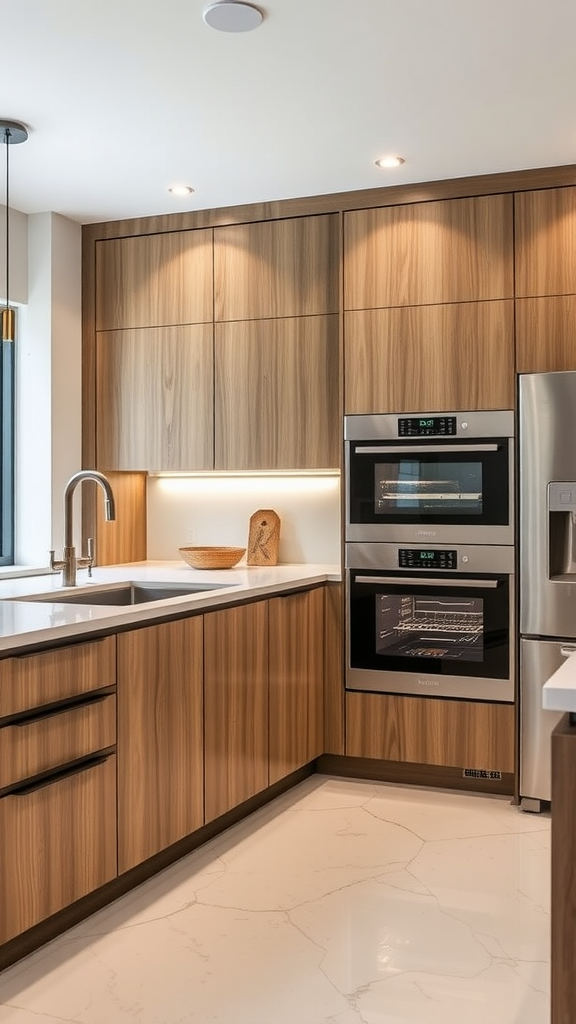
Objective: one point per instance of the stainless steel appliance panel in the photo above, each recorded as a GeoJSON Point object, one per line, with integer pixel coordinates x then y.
{"type": "Point", "coordinates": [539, 659]}
{"type": "Point", "coordinates": [547, 434]}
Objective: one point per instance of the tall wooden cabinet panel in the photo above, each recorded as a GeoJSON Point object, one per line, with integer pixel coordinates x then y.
{"type": "Point", "coordinates": [57, 844]}
{"type": "Point", "coordinates": [154, 398]}
{"type": "Point", "coordinates": [296, 663]}
{"type": "Point", "coordinates": [545, 225]}
{"type": "Point", "coordinates": [420, 730]}
{"type": "Point", "coordinates": [334, 669]}
{"type": "Point", "coordinates": [160, 742]}
{"type": "Point", "coordinates": [235, 705]}
{"type": "Point", "coordinates": [452, 250]}
{"type": "Point", "coordinates": [456, 356]}
{"type": "Point", "coordinates": [546, 333]}
{"type": "Point", "coordinates": [276, 268]}
{"type": "Point", "coordinates": [276, 386]}
{"type": "Point", "coordinates": [154, 280]}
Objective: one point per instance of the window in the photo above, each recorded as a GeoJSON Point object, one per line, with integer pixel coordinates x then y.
{"type": "Point", "coordinates": [7, 454]}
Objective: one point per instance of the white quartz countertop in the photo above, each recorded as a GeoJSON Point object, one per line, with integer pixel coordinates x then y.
{"type": "Point", "coordinates": [25, 623]}
{"type": "Point", "coordinates": [559, 691]}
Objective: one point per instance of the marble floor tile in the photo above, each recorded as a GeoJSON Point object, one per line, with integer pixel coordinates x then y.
{"type": "Point", "coordinates": [342, 902]}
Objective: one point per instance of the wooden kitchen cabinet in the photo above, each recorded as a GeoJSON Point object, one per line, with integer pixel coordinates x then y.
{"type": "Point", "coordinates": [420, 730]}
{"type": "Point", "coordinates": [545, 243]}
{"type": "Point", "coordinates": [277, 394]}
{"type": "Point", "coordinates": [64, 673]}
{"type": "Point", "coordinates": [154, 280]}
{"type": "Point", "coordinates": [160, 741]}
{"type": "Point", "coordinates": [154, 398]}
{"type": "Point", "coordinates": [235, 705]}
{"type": "Point", "coordinates": [276, 268]}
{"type": "Point", "coordinates": [454, 250]}
{"type": "Point", "coordinates": [545, 334]}
{"type": "Point", "coordinates": [454, 356]}
{"type": "Point", "coordinates": [296, 677]}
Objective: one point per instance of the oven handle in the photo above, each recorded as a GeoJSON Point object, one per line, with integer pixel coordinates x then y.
{"type": "Point", "coordinates": [400, 449]}
{"type": "Point", "coordinates": [410, 581]}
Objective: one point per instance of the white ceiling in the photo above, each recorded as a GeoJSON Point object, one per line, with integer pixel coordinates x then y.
{"type": "Point", "coordinates": [125, 97]}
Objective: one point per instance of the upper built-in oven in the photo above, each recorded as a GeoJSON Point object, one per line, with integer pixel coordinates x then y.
{"type": "Point", "coordinates": [445, 477]}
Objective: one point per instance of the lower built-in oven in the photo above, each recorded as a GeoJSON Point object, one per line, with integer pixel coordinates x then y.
{"type": "Point", "coordinates": [437, 622]}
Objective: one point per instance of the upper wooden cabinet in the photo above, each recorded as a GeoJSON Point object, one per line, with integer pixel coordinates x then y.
{"type": "Point", "coordinates": [154, 280]}
{"type": "Point", "coordinates": [448, 251]}
{"type": "Point", "coordinates": [276, 268]}
{"type": "Point", "coordinates": [545, 226]}
{"type": "Point", "coordinates": [277, 395]}
{"type": "Point", "coordinates": [154, 398]}
{"type": "Point", "coordinates": [546, 333]}
{"type": "Point", "coordinates": [455, 356]}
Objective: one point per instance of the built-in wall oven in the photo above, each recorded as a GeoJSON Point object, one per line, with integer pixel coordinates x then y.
{"type": "Point", "coordinates": [430, 478]}
{"type": "Point", "coordinates": [436, 622]}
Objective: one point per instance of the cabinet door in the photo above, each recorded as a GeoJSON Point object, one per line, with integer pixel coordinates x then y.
{"type": "Point", "coordinates": [545, 224]}
{"type": "Point", "coordinates": [277, 399]}
{"type": "Point", "coordinates": [454, 250]}
{"type": "Point", "coordinates": [276, 268]}
{"type": "Point", "coordinates": [236, 705]}
{"type": "Point", "coordinates": [154, 398]}
{"type": "Point", "coordinates": [545, 334]}
{"type": "Point", "coordinates": [450, 733]}
{"type": "Point", "coordinates": [57, 843]}
{"type": "Point", "coordinates": [457, 356]}
{"type": "Point", "coordinates": [154, 280]}
{"type": "Point", "coordinates": [160, 776]}
{"type": "Point", "coordinates": [296, 667]}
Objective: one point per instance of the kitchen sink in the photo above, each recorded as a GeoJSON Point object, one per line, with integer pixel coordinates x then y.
{"type": "Point", "coordinates": [125, 593]}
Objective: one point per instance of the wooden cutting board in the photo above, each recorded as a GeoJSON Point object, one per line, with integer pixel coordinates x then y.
{"type": "Point", "coordinates": [263, 538]}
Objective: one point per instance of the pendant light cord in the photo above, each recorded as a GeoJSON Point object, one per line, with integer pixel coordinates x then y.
{"type": "Point", "coordinates": [7, 144]}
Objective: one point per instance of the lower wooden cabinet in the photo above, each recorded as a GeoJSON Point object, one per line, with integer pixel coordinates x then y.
{"type": "Point", "coordinates": [449, 733]}
{"type": "Point", "coordinates": [57, 843]}
{"type": "Point", "coordinates": [160, 742]}
{"type": "Point", "coordinates": [235, 705]}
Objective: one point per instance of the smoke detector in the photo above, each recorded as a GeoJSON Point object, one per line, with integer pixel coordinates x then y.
{"type": "Point", "coordinates": [232, 16]}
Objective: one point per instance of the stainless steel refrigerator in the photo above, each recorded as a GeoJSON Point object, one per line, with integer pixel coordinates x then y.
{"type": "Point", "coordinates": [547, 570]}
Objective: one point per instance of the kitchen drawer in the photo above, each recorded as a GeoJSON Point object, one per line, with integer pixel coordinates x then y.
{"type": "Point", "coordinates": [57, 843]}
{"type": "Point", "coordinates": [30, 680]}
{"type": "Point", "coordinates": [49, 739]}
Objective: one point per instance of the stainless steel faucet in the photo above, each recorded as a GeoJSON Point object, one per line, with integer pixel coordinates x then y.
{"type": "Point", "coordinates": [70, 563]}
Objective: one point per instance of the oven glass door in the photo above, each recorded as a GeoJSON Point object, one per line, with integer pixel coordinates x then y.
{"type": "Point", "coordinates": [429, 482]}
{"type": "Point", "coordinates": [454, 625]}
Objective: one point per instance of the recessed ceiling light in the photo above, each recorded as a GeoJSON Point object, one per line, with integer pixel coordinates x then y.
{"type": "Point", "coordinates": [389, 161]}
{"type": "Point", "coordinates": [232, 16]}
{"type": "Point", "coordinates": [180, 190]}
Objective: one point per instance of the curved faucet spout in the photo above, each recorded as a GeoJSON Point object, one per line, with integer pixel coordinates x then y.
{"type": "Point", "coordinates": [109, 506]}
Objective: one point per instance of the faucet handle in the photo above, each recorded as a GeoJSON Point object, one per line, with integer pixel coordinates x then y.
{"type": "Point", "coordinates": [90, 548]}
{"type": "Point", "coordinates": [54, 565]}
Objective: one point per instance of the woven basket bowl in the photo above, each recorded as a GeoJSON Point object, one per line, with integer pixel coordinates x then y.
{"type": "Point", "coordinates": [211, 557]}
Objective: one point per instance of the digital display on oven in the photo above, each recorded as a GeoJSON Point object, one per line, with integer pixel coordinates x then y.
{"type": "Point", "coordinates": [426, 426]}
{"type": "Point", "coordinates": [417, 558]}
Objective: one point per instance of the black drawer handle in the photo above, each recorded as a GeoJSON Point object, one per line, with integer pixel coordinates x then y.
{"type": "Point", "coordinates": [56, 650]}
{"type": "Point", "coordinates": [34, 787]}
{"type": "Point", "coordinates": [40, 716]}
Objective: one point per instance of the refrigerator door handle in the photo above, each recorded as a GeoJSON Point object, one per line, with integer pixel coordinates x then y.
{"type": "Point", "coordinates": [567, 651]}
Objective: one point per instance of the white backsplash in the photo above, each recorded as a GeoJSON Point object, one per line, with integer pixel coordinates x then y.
{"type": "Point", "coordinates": [216, 509]}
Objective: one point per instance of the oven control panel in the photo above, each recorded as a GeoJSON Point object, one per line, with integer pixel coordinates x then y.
{"type": "Point", "coordinates": [427, 426]}
{"type": "Point", "coordinates": [421, 558]}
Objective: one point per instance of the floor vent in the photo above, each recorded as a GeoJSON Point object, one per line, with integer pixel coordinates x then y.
{"type": "Point", "coordinates": [480, 773]}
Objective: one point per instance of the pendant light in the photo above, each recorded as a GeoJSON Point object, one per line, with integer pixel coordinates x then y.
{"type": "Point", "coordinates": [12, 132]}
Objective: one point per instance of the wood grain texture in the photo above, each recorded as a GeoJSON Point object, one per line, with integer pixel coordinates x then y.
{"type": "Point", "coordinates": [296, 677]}
{"type": "Point", "coordinates": [154, 280]}
{"type": "Point", "coordinates": [546, 334]}
{"type": "Point", "coordinates": [125, 538]}
{"type": "Point", "coordinates": [457, 356]}
{"type": "Point", "coordinates": [334, 669]}
{"type": "Point", "coordinates": [451, 733]}
{"type": "Point", "coordinates": [545, 224]}
{"type": "Point", "coordinates": [39, 744]}
{"type": "Point", "coordinates": [276, 268]}
{"type": "Point", "coordinates": [154, 398]}
{"type": "Point", "coordinates": [277, 394]}
{"type": "Point", "coordinates": [235, 705]}
{"type": "Point", "coordinates": [563, 853]}
{"type": "Point", "coordinates": [30, 680]}
{"type": "Point", "coordinates": [160, 744]}
{"type": "Point", "coordinates": [57, 844]}
{"type": "Point", "coordinates": [456, 250]}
